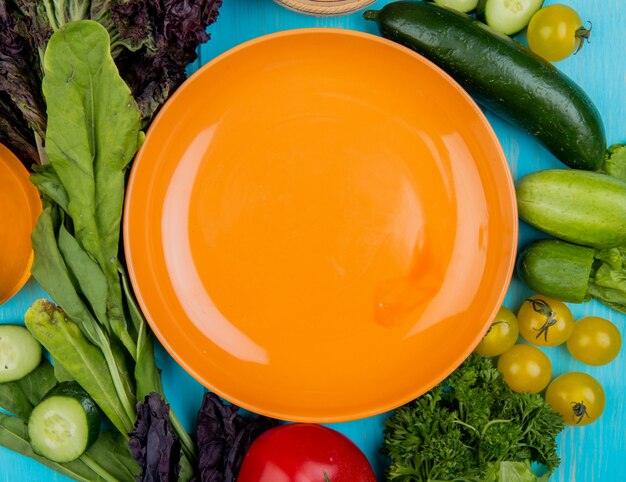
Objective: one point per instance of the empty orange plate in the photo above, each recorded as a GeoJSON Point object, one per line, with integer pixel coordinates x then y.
{"type": "Point", "coordinates": [19, 209]}
{"type": "Point", "coordinates": [320, 225]}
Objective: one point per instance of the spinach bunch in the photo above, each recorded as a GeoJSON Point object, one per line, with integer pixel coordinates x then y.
{"type": "Point", "coordinates": [472, 427]}
{"type": "Point", "coordinates": [98, 336]}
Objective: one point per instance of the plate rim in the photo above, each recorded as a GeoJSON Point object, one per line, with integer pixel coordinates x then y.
{"type": "Point", "coordinates": [456, 361]}
{"type": "Point", "coordinates": [22, 176]}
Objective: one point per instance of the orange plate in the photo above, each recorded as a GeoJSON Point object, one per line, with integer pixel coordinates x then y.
{"type": "Point", "coordinates": [19, 209]}
{"type": "Point", "coordinates": [320, 225]}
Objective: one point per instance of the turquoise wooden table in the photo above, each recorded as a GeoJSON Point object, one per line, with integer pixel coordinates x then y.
{"type": "Point", "coordinates": [594, 453]}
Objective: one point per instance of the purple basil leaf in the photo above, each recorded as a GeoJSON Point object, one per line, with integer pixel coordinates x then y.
{"type": "Point", "coordinates": [224, 437]}
{"type": "Point", "coordinates": [153, 443]}
{"type": "Point", "coordinates": [164, 35]}
{"type": "Point", "coordinates": [23, 107]}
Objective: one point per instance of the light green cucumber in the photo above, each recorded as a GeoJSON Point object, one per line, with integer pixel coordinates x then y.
{"type": "Point", "coordinates": [582, 207]}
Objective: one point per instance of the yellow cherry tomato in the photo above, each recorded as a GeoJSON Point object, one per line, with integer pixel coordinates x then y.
{"type": "Point", "coordinates": [594, 341]}
{"type": "Point", "coordinates": [577, 397]}
{"type": "Point", "coordinates": [525, 369]}
{"type": "Point", "coordinates": [555, 32]}
{"type": "Point", "coordinates": [545, 321]}
{"type": "Point", "coordinates": [501, 336]}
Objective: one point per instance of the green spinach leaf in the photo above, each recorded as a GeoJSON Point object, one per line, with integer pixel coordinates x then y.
{"type": "Point", "coordinates": [92, 135]}
{"type": "Point", "coordinates": [49, 184]}
{"type": "Point", "coordinates": [93, 283]}
{"type": "Point", "coordinates": [50, 270]}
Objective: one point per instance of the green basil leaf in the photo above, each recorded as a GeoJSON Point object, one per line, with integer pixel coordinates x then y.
{"type": "Point", "coordinates": [111, 453]}
{"type": "Point", "coordinates": [39, 382]}
{"type": "Point", "coordinates": [14, 400]}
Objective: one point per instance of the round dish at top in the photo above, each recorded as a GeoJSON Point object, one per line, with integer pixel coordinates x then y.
{"type": "Point", "coordinates": [19, 209]}
{"type": "Point", "coordinates": [320, 225]}
{"type": "Point", "coordinates": [325, 8]}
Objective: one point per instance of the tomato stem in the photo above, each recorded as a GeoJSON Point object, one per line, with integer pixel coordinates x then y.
{"type": "Point", "coordinates": [583, 34]}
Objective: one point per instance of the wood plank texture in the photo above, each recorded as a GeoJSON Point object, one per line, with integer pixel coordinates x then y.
{"type": "Point", "coordinates": [594, 453]}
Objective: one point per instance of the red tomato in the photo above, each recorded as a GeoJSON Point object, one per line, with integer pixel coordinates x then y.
{"type": "Point", "coordinates": [304, 453]}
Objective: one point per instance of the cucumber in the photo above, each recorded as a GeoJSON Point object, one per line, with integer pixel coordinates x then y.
{"type": "Point", "coordinates": [465, 6]}
{"type": "Point", "coordinates": [582, 207]}
{"type": "Point", "coordinates": [507, 16]}
{"type": "Point", "coordinates": [64, 424]}
{"type": "Point", "coordinates": [20, 353]}
{"type": "Point", "coordinates": [503, 76]}
{"type": "Point", "coordinates": [557, 269]}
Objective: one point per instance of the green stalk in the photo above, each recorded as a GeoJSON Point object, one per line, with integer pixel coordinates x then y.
{"type": "Point", "coordinates": [146, 372]}
{"type": "Point", "coordinates": [51, 15]}
{"type": "Point", "coordinates": [97, 468]}
{"type": "Point", "coordinates": [105, 346]}
{"type": "Point", "coordinates": [189, 448]}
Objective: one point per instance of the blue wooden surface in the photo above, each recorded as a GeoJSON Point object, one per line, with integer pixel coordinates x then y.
{"type": "Point", "coordinates": [594, 453]}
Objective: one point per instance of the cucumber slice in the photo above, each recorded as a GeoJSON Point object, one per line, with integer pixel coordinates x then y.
{"type": "Point", "coordinates": [507, 16]}
{"type": "Point", "coordinates": [465, 6]}
{"type": "Point", "coordinates": [64, 424]}
{"type": "Point", "coordinates": [20, 353]}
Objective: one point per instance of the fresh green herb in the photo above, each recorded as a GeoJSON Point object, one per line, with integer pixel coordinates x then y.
{"type": "Point", "coordinates": [512, 472]}
{"type": "Point", "coordinates": [607, 282]}
{"type": "Point", "coordinates": [615, 161]}
{"type": "Point", "coordinates": [471, 427]}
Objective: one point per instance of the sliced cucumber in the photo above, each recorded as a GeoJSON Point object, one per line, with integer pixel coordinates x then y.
{"type": "Point", "coordinates": [464, 6]}
{"type": "Point", "coordinates": [20, 353]}
{"type": "Point", "coordinates": [64, 424]}
{"type": "Point", "coordinates": [507, 16]}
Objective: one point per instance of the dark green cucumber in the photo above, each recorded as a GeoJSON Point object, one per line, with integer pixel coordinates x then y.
{"type": "Point", "coordinates": [503, 76]}
{"type": "Point", "coordinates": [64, 424]}
{"type": "Point", "coordinates": [586, 208]}
{"type": "Point", "coordinates": [557, 269]}
{"type": "Point", "coordinates": [507, 16]}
